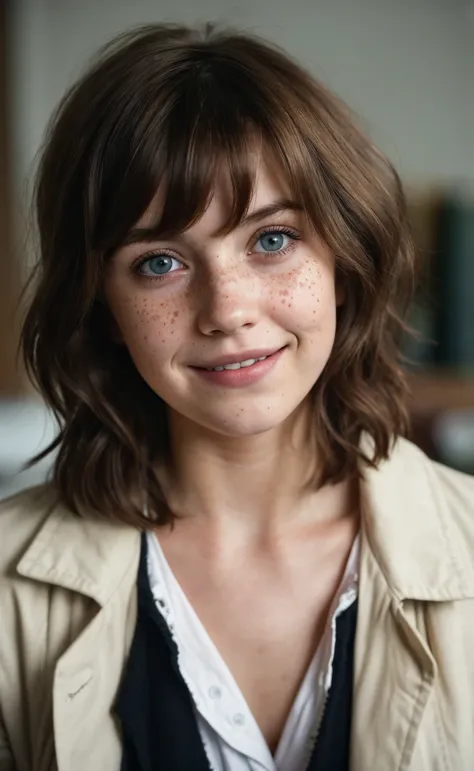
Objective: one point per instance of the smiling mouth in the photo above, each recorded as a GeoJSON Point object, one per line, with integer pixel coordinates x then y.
{"type": "Point", "coordinates": [237, 364]}
{"type": "Point", "coordinates": [254, 366]}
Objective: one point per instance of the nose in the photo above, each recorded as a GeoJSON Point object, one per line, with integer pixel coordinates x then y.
{"type": "Point", "coordinates": [229, 303]}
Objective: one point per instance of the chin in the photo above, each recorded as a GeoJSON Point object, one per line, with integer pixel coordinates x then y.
{"type": "Point", "coordinates": [247, 424]}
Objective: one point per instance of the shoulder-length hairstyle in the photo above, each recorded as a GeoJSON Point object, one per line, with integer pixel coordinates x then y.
{"type": "Point", "coordinates": [165, 102]}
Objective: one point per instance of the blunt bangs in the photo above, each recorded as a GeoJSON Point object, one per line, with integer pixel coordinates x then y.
{"type": "Point", "coordinates": [185, 140]}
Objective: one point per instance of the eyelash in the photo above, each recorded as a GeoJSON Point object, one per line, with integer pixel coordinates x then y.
{"type": "Point", "coordinates": [144, 258]}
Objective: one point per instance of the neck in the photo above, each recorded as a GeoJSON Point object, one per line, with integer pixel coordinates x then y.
{"type": "Point", "coordinates": [257, 484]}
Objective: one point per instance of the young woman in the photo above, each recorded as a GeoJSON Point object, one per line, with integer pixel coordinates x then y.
{"type": "Point", "coordinates": [239, 563]}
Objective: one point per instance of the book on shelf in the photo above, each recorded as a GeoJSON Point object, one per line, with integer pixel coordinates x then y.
{"type": "Point", "coordinates": [418, 348]}
{"type": "Point", "coordinates": [454, 283]}
{"type": "Point", "coordinates": [442, 313]}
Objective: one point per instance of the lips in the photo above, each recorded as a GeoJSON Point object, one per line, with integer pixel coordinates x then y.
{"type": "Point", "coordinates": [240, 374]}
{"type": "Point", "coordinates": [238, 360]}
{"type": "Point", "coordinates": [236, 365]}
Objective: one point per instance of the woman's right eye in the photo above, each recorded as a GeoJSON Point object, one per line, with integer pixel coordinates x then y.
{"type": "Point", "coordinates": [158, 265]}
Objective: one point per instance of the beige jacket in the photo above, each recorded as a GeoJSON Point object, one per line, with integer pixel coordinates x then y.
{"type": "Point", "coordinates": [68, 608]}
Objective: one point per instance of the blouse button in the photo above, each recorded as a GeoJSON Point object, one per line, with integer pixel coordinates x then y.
{"type": "Point", "coordinates": [215, 692]}
{"type": "Point", "coordinates": [238, 719]}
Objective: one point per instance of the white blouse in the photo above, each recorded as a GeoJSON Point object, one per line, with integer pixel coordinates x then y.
{"type": "Point", "coordinates": [230, 735]}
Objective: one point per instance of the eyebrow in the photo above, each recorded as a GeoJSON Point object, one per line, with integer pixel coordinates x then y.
{"type": "Point", "coordinates": [148, 235]}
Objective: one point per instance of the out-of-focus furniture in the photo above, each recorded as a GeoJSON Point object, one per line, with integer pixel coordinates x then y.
{"type": "Point", "coordinates": [442, 406]}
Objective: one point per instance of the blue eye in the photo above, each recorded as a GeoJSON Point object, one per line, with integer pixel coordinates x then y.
{"type": "Point", "coordinates": [158, 265]}
{"type": "Point", "coordinates": [274, 241]}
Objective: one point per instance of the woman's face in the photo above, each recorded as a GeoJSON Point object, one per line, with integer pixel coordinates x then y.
{"type": "Point", "coordinates": [199, 311]}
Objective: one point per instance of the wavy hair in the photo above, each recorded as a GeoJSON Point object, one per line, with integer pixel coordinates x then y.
{"type": "Point", "coordinates": [169, 102]}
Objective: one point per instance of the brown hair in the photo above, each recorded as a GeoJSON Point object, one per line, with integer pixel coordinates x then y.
{"type": "Point", "coordinates": [168, 101]}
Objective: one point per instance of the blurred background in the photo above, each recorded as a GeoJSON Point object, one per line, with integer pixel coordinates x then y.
{"type": "Point", "coordinates": [405, 66]}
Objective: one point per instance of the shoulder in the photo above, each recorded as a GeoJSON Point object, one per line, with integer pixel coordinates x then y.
{"type": "Point", "coordinates": [409, 503]}
{"type": "Point", "coordinates": [58, 572]}
{"type": "Point", "coordinates": [410, 476]}
{"type": "Point", "coordinates": [21, 517]}
{"type": "Point", "coordinates": [457, 488]}
{"type": "Point", "coordinates": [43, 540]}
{"type": "Point", "coordinates": [412, 468]}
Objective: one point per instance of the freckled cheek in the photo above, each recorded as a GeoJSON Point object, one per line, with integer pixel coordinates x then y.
{"type": "Point", "coordinates": [306, 296]}
{"type": "Point", "coordinates": [149, 327]}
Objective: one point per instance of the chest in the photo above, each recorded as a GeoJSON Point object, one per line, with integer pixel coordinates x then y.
{"type": "Point", "coordinates": [408, 715]}
{"type": "Point", "coordinates": [266, 621]}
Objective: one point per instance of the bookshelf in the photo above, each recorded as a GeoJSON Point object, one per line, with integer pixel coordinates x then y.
{"type": "Point", "coordinates": [442, 221]}
{"type": "Point", "coordinates": [434, 392]}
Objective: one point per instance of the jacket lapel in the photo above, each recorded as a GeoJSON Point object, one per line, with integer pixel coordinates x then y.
{"type": "Point", "coordinates": [98, 560]}
{"type": "Point", "coordinates": [89, 556]}
{"type": "Point", "coordinates": [394, 674]}
{"type": "Point", "coordinates": [411, 554]}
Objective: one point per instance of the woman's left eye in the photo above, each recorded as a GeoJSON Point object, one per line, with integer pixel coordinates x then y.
{"type": "Point", "coordinates": [274, 241]}
{"type": "Point", "coordinates": [158, 265]}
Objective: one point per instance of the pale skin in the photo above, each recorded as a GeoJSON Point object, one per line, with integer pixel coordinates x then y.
{"type": "Point", "coordinates": [257, 552]}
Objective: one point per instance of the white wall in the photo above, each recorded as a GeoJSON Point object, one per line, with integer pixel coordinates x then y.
{"type": "Point", "coordinates": [407, 66]}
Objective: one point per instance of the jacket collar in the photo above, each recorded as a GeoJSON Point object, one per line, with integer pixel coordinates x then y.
{"type": "Point", "coordinates": [85, 555]}
{"type": "Point", "coordinates": [416, 521]}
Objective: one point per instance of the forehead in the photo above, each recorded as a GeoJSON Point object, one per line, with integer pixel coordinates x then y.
{"type": "Point", "coordinates": [268, 187]}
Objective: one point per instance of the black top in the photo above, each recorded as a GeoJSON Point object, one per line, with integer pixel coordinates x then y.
{"type": "Point", "coordinates": [156, 711]}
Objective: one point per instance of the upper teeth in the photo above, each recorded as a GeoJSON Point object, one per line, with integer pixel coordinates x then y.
{"type": "Point", "coordinates": [236, 365]}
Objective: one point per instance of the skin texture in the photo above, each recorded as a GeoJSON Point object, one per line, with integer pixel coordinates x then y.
{"type": "Point", "coordinates": [227, 295]}
{"type": "Point", "coordinates": [240, 458]}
